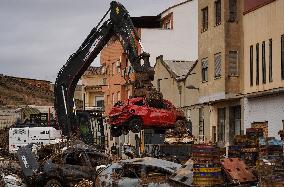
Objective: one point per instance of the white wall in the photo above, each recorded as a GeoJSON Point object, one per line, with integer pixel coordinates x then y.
{"type": "Point", "coordinates": [269, 109]}
{"type": "Point", "coordinates": [179, 43]}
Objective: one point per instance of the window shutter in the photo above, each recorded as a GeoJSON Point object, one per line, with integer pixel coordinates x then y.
{"type": "Point", "coordinates": [204, 63]}
{"type": "Point", "coordinates": [233, 62]}
{"type": "Point", "coordinates": [218, 65]}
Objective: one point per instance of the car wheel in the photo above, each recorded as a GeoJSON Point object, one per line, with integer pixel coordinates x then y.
{"type": "Point", "coordinates": [135, 125]}
{"type": "Point", "coordinates": [53, 183]}
{"type": "Point", "coordinates": [116, 131]}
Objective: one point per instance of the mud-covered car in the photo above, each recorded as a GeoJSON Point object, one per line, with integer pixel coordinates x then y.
{"type": "Point", "coordinates": [76, 163]}
{"type": "Point", "coordinates": [138, 113]}
{"type": "Point", "coordinates": [147, 171]}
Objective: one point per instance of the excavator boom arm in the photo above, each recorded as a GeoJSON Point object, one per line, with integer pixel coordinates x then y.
{"type": "Point", "coordinates": [119, 24]}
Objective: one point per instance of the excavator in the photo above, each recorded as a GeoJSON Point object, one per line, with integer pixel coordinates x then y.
{"type": "Point", "coordinates": [120, 25]}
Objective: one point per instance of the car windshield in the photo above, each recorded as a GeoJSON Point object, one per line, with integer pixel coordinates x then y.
{"type": "Point", "coordinates": [157, 104]}
{"type": "Point", "coordinates": [118, 104]}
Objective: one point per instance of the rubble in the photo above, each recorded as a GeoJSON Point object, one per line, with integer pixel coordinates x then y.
{"type": "Point", "coordinates": [55, 164]}
{"type": "Point", "coordinates": [237, 172]}
{"type": "Point", "coordinates": [180, 134]}
{"type": "Point", "coordinates": [138, 172]}
{"type": "Point", "coordinates": [85, 183]}
{"type": "Point", "coordinates": [184, 174]}
{"type": "Point", "coordinates": [4, 143]}
{"type": "Point", "coordinates": [12, 181]}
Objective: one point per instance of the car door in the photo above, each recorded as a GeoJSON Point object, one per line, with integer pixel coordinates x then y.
{"type": "Point", "coordinates": [153, 116]}
{"type": "Point", "coordinates": [167, 114]}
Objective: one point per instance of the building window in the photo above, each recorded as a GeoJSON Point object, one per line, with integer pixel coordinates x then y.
{"type": "Point", "coordinates": [233, 63]}
{"type": "Point", "coordinates": [257, 63]}
{"type": "Point", "coordinates": [282, 57]}
{"type": "Point", "coordinates": [113, 68]}
{"type": "Point", "coordinates": [104, 81]}
{"type": "Point", "coordinates": [167, 24]}
{"type": "Point", "coordinates": [113, 99]}
{"type": "Point", "coordinates": [214, 134]}
{"type": "Point", "coordinates": [217, 63]}
{"type": "Point", "coordinates": [270, 61]}
{"type": "Point", "coordinates": [118, 96]}
{"type": "Point", "coordinates": [232, 10]}
{"type": "Point", "coordinates": [235, 121]}
{"type": "Point", "coordinates": [218, 12]}
{"type": "Point", "coordinates": [118, 67]}
{"type": "Point", "coordinates": [107, 100]}
{"type": "Point", "coordinates": [251, 64]}
{"type": "Point", "coordinates": [201, 125]}
{"type": "Point", "coordinates": [263, 63]}
{"type": "Point", "coordinates": [204, 64]}
{"type": "Point", "coordinates": [221, 124]}
{"type": "Point", "coordinates": [99, 101]}
{"type": "Point", "coordinates": [159, 84]}
{"type": "Point", "coordinates": [204, 19]}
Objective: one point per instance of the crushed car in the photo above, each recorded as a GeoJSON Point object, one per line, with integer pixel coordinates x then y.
{"type": "Point", "coordinates": [74, 164]}
{"type": "Point", "coordinates": [139, 113]}
{"type": "Point", "coordinates": [145, 171]}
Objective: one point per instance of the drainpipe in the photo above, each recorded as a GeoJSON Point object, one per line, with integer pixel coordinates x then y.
{"type": "Point", "coordinates": [179, 91]}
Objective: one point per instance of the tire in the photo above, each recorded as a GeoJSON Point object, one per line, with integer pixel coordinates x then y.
{"type": "Point", "coordinates": [115, 131]}
{"type": "Point", "coordinates": [53, 183]}
{"type": "Point", "coordinates": [135, 125]}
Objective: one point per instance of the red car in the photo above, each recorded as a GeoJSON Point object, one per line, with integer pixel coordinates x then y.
{"type": "Point", "coordinates": [136, 114]}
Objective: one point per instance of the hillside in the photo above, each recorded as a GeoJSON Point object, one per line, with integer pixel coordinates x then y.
{"type": "Point", "coordinates": [21, 91]}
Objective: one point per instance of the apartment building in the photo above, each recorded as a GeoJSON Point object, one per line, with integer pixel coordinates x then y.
{"type": "Point", "coordinates": [176, 36]}
{"type": "Point", "coordinates": [220, 53]}
{"type": "Point", "coordinates": [263, 24]}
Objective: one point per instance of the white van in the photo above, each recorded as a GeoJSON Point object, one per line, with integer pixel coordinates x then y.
{"type": "Point", "coordinates": [19, 137]}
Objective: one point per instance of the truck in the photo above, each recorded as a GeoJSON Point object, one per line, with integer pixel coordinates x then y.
{"type": "Point", "coordinates": [22, 136]}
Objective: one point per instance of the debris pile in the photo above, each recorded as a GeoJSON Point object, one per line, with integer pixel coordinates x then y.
{"type": "Point", "coordinates": [237, 172]}
{"type": "Point", "coordinates": [145, 171]}
{"type": "Point", "coordinates": [4, 143]}
{"type": "Point", "coordinates": [85, 183]}
{"type": "Point", "coordinates": [246, 146]}
{"type": "Point", "coordinates": [180, 134]}
{"type": "Point", "coordinates": [207, 166]}
{"type": "Point", "coordinates": [271, 172]}
{"type": "Point", "coordinates": [184, 175]}
{"type": "Point", "coordinates": [67, 161]}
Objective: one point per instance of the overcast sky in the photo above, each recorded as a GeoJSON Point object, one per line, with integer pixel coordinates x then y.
{"type": "Point", "coordinates": [37, 36]}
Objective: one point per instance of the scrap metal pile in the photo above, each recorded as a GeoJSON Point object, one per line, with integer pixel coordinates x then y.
{"type": "Point", "coordinates": [179, 135]}
{"type": "Point", "coordinates": [145, 171]}
{"type": "Point", "coordinates": [264, 154]}
{"type": "Point", "coordinates": [207, 168]}
{"type": "Point", "coordinates": [252, 160]}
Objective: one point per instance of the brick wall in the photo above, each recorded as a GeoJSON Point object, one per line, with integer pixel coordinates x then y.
{"type": "Point", "coordinates": [115, 62]}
